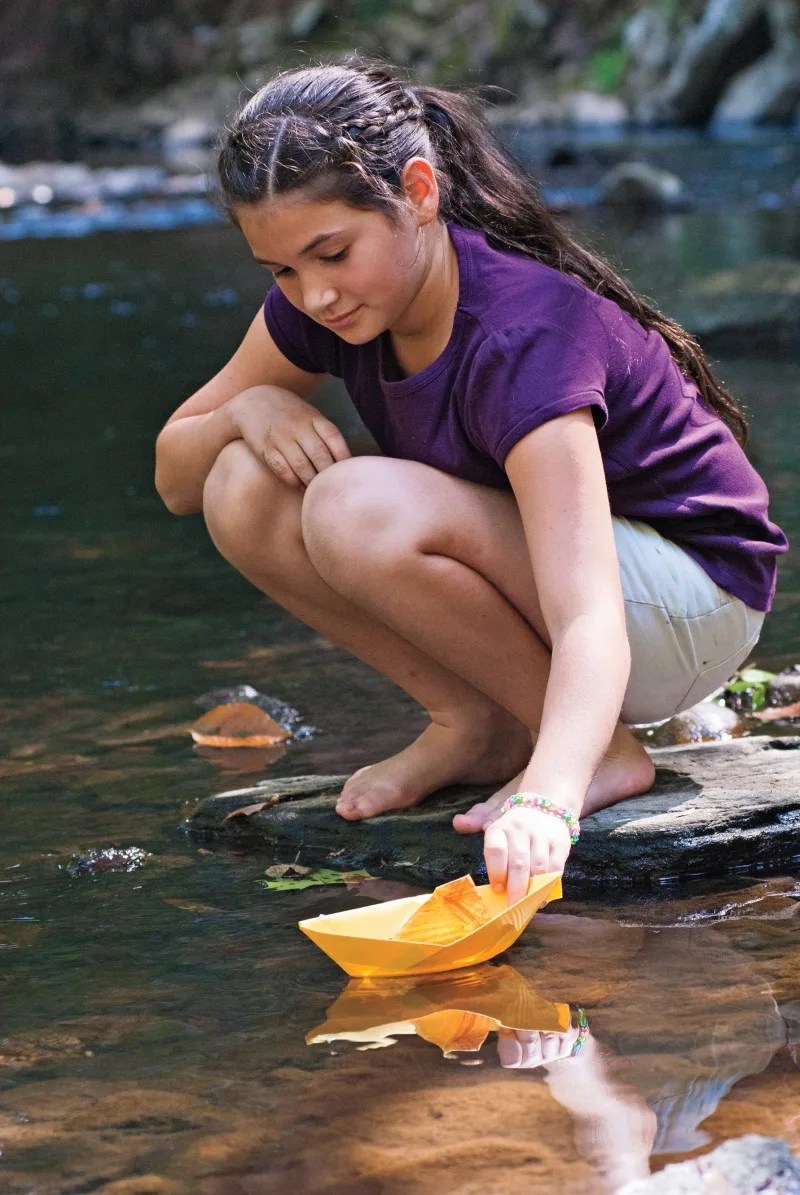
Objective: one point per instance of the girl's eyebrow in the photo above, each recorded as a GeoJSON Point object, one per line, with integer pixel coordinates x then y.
{"type": "Point", "coordinates": [323, 236]}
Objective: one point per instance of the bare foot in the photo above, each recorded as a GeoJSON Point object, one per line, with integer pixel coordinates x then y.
{"type": "Point", "coordinates": [484, 751]}
{"type": "Point", "coordinates": [628, 773]}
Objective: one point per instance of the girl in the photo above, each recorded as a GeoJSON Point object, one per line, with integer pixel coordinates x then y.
{"type": "Point", "coordinates": [563, 534]}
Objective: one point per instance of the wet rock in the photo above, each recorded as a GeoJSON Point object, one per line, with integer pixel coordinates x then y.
{"type": "Point", "coordinates": [96, 861]}
{"type": "Point", "coordinates": [784, 689]}
{"type": "Point", "coordinates": [746, 1166]}
{"type": "Point", "coordinates": [750, 309]}
{"type": "Point", "coordinates": [637, 184]}
{"type": "Point", "coordinates": [730, 36]}
{"type": "Point", "coordinates": [591, 108]}
{"type": "Point", "coordinates": [706, 722]}
{"type": "Point", "coordinates": [714, 808]}
{"type": "Point", "coordinates": [767, 93]}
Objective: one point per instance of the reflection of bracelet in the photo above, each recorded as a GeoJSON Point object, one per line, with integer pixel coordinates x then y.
{"type": "Point", "coordinates": [583, 1033]}
{"type": "Point", "coordinates": [532, 801]}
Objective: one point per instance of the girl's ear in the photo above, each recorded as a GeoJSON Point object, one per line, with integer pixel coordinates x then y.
{"type": "Point", "coordinates": [421, 189]}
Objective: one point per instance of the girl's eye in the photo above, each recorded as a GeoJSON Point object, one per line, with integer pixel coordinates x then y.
{"type": "Point", "coordinates": [281, 273]}
{"type": "Point", "coordinates": [340, 256]}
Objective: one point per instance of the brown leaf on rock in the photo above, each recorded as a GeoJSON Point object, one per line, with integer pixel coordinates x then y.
{"type": "Point", "coordinates": [238, 724]}
{"type": "Point", "coordinates": [279, 870]}
{"type": "Point", "coordinates": [249, 810]}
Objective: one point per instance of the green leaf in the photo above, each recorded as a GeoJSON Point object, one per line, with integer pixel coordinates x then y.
{"type": "Point", "coordinates": [323, 876]}
{"type": "Point", "coordinates": [756, 676]}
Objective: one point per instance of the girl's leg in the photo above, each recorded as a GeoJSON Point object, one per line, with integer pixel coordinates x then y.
{"type": "Point", "coordinates": [444, 563]}
{"type": "Point", "coordinates": [254, 520]}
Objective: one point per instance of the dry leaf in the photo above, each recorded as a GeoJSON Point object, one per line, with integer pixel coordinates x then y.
{"type": "Point", "coordinates": [279, 870]}
{"type": "Point", "coordinates": [453, 910]}
{"type": "Point", "coordinates": [190, 906]}
{"type": "Point", "coordinates": [249, 810]}
{"type": "Point", "coordinates": [238, 724]}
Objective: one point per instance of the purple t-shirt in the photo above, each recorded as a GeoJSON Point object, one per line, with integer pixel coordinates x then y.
{"type": "Point", "coordinates": [528, 344]}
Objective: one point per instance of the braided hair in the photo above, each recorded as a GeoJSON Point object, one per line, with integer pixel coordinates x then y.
{"type": "Point", "coordinates": [345, 132]}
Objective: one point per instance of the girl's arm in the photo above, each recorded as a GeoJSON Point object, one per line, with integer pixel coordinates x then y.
{"type": "Point", "coordinates": [557, 476]}
{"type": "Point", "coordinates": [259, 396]}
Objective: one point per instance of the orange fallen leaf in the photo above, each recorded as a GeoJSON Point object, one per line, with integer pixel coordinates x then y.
{"type": "Point", "coordinates": [778, 711]}
{"type": "Point", "coordinates": [238, 724]}
{"type": "Point", "coordinates": [249, 810]}
{"type": "Point", "coordinates": [454, 910]}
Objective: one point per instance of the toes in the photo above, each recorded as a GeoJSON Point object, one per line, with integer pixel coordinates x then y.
{"type": "Point", "coordinates": [474, 819]}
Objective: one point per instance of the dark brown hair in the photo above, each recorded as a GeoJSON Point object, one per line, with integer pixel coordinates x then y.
{"type": "Point", "coordinates": [344, 132]}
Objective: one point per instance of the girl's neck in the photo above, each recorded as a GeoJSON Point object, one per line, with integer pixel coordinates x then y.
{"type": "Point", "coordinates": [424, 330]}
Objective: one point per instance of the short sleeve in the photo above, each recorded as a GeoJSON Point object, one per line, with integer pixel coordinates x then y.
{"type": "Point", "coordinates": [524, 376]}
{"type": "Point", "coordinates": [303, 342]}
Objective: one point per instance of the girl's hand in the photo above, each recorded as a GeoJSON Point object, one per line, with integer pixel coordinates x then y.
{"type": "Point", "coordinates": [291, 437]}
{"type": "Point", "coordinates": [520, 844]}
{"type": "Point", "coordinates": [523, 1049]}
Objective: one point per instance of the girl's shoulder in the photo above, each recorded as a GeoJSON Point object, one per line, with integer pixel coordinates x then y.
{"type": "Point", "coordinates": [514, 299]}
{"type": "Point", "coordinates": [508, 293]}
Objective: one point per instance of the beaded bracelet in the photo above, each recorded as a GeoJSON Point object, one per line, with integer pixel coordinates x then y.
{"type": "Point", "coordinates": [583, 1032]}
{"type": "Point", "coordinates": [531, 801]}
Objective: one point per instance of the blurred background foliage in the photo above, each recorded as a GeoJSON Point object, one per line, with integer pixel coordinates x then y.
{"type": "Point", "coordinates": [130, 65]}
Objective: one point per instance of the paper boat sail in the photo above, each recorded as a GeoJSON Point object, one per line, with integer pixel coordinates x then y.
{"type": "Point", "coordinates": [420, 935]}
{"type": "Point", "coordinates": [455, 1012]}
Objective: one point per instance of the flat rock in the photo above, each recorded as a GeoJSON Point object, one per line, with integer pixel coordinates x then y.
{"type": "Point", "coordinates": [753, 308]}
{"type": "Point", "coordinates": [715, 808]}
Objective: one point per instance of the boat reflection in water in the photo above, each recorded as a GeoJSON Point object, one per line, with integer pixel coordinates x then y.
{"type": "Point", "coordinates": [456, 1011]}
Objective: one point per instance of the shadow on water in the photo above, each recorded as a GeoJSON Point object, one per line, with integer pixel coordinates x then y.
{"type": "Point", "coordinates": [154, 1022]}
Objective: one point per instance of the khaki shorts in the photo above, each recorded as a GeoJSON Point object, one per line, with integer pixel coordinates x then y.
{"type": "Point", "coordinates": [687, 635]}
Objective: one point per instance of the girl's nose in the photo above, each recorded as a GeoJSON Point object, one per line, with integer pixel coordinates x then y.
{"type": "Point", "coordinates": [318, 300]}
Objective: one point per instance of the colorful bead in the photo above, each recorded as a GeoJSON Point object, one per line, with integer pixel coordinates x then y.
{"type": "Point", "coordinates": [583, 1032]}
{"type": "Point", "coordinates": [531, 801]}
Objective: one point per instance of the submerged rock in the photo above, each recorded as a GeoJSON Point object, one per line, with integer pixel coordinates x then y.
{"type": "Point", "coordinates": [637, 184]}
{"type": "Point", "coordinates": [112, 858]}
{"type": "Point", "coordinates": [744, 1166]}
{"type": "Point", "coordinates": [715, 808]}
{"type": "Point", "coordinates": [749, 309]}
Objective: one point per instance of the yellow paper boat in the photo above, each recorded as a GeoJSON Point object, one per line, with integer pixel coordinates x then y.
{"type": "Point", "coordinates": [455, 1012]}
{"type": "Point", "coordinates": [362, 941]}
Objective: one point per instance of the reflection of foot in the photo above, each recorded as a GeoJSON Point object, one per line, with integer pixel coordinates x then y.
{"type": "Point", "coordinates": [483, 751]}
{"type": "Point", "coordinates": [628, 774]}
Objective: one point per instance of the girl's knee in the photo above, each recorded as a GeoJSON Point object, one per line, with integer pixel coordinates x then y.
{"type": "Point", "coordinates": [355, 505]}
{"type": "Point", "coordinates": [245, 506]}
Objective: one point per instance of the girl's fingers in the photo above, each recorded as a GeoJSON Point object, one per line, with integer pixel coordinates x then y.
{"type": "Point", "coordinates": [276, 463]}
{"type": "Point", "coordinates": [298, 462]}
{"type": "Point", "coordinates": [551, 1046]}
{"type": "Point", "coordinates": [495, 852]}
{"type": "Point", "coordinates": [519, 873]}
{"type": "Point", "coordinates": [539, 857]}
{"type": "Point", "coordinates": [509, 1048]}
{"type": "Point", "coordinates": [332, 437]}
{"type": "Point", "coordinates": [317, 452]}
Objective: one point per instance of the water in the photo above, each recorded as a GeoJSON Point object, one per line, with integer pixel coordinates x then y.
{"type": "Point", "coordinates": [153, 1023]}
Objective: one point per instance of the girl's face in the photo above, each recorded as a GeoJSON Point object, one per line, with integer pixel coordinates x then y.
{"type": "Point", "coordinates": [352, 271]}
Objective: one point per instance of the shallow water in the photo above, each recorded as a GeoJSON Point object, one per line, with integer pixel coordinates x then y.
{"type": "Point", "coordinates": [153, 1022]}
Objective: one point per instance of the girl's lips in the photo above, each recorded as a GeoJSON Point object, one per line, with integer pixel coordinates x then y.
{"type": "Point", "coordinates": [343, 320]}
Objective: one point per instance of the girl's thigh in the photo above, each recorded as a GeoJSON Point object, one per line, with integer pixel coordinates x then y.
{"type": "Point", "coordinates": [687, 635]}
